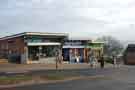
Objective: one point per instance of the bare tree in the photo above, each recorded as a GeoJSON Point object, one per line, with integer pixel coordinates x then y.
{"type": "Point", "coordinates": [112, 46]}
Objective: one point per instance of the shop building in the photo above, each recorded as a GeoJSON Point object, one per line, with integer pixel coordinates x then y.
{"type": "Point", "coordinates": [32, 47]}
{"type": "Point", "coordinates": [97, 48]}
{"type": "Point", "coordinates": [73, 48]}
{"type": "Point", "coordinates": [81, 49]}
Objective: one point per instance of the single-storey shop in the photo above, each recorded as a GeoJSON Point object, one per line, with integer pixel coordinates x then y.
{"type": "Point", "coordinates": [32, 47]}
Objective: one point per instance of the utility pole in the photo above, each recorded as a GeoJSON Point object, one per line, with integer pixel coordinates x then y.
{"type": "Point", "coordinates": [56, 63]}
{"type": "Point", "coordinates": [56, 55]}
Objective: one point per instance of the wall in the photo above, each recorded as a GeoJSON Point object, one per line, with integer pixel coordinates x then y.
{"type": "Point", "coordinates": [12, 48]}
{"type": "Point", "coordinates": [130, 58]}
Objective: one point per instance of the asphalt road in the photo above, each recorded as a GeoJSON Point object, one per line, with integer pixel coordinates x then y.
{"type": "Point", "coordinates": [80, 85]}
{"type": "Point", "coordinates": [114, 79]}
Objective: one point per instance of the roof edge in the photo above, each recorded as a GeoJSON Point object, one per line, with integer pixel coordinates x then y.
{"type": "Point", "coordinates": [33, 33]}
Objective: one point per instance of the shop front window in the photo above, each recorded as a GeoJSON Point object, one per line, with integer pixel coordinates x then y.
{"type": "Point", "coordinates": [37, 52]}
{"type": "Point", "coordinates": [49, 51]}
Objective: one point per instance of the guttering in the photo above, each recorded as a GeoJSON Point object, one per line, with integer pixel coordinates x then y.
{"type": "Point", "coordinates": [46, 34]}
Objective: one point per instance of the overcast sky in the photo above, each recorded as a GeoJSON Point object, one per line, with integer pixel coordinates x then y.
{"type": "Point", "coordinates": [84, 18]}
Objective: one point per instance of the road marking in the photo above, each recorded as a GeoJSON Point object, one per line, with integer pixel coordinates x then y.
{"type": "Point", "coordinates": [17, 72]}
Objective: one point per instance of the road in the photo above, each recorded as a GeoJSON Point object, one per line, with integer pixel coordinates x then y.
{"type": "Point", "coordinates": [114, 79]}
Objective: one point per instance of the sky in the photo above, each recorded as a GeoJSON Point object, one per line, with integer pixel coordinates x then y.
{"type": "Point", "coordinates": [79, 18]}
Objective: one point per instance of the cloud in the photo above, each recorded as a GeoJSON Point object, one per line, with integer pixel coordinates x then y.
{"type": "Point", "coordinates": [78, 17]}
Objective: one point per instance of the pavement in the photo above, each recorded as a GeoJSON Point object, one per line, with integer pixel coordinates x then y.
{"type": "Point", "coordinates": [9, 69]}
{"type": "Point", "coordinates": [30, 67]}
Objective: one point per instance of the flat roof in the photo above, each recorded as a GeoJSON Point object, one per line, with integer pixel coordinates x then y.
{"type": "Point", "coordinates": [33, 33]}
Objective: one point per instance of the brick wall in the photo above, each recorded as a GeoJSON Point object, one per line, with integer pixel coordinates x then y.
{"type": "Point", "coordinates": [130, 58]}
{"type": "Point", "coordinates": [11, 46]}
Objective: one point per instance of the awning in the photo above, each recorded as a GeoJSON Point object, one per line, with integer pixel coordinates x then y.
{"type": "Point", "coordinates": [73, 46]}
{"type": "Point", "coordinates": [44, 44]}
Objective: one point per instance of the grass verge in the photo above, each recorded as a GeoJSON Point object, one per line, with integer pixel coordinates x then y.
{"type": "Point", "coordinates": [4, 80]}
{"type": "Point", "coordinates": [49, 76]}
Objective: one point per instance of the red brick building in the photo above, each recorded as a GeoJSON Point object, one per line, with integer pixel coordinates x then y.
{"type": "Point", "coordinates": [129, 54]}
{"type": "Point", "coordinates": [31, 47]}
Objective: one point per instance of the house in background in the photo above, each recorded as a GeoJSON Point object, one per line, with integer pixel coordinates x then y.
{"type": "Point", "coordinates": [129, 54]}
{"type": "Point", "coordinates": [32, 47]}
